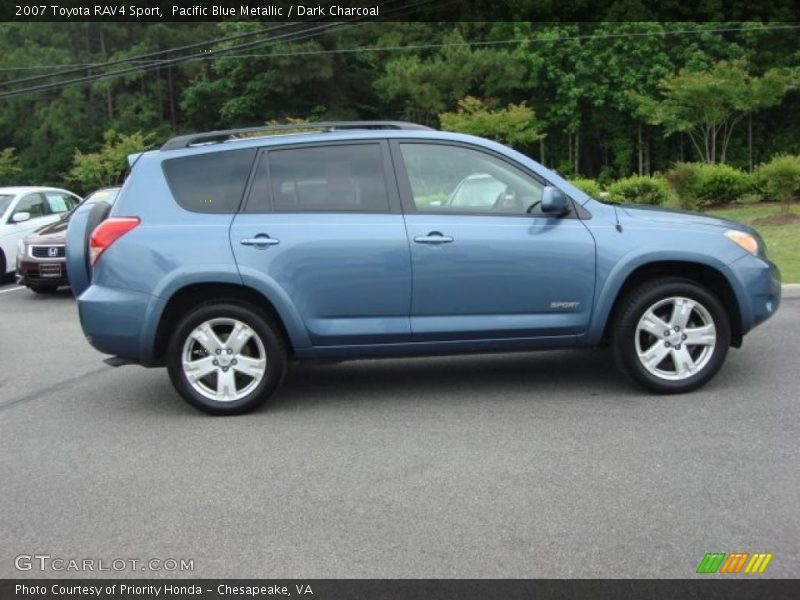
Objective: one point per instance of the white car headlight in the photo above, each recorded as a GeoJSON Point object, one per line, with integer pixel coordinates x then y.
{"type": "Point", "coordinates": [743, 239]}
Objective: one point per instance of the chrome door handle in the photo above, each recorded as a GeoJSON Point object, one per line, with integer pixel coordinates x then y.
{"type": "Point", "coordinates": [259, 240]}
{"type": "Point", "coordinates": [434, 237]}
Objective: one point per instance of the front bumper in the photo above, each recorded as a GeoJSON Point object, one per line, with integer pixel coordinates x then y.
{"type": "Point", "coordinates": [760, 289]}
{"type": "Point", "coordinates": [33, 272]}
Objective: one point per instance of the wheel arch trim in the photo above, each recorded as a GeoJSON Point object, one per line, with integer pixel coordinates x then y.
{"type": "Point", "coordinates": [268, 292]}
{"type": "Point", "coordinates": [608, 292]}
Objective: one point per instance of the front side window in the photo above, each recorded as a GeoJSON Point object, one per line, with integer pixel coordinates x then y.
{"type": "Point", "coordinates": [32, 204]}
{"type": "Point", "coordinates": [462, 180]}
{"type": "Point", "coordinates": [348, 178]}
{"type": "Point", "coordinates": [60, 202]}
{"type": "Point", "coordinates": [210, 183]}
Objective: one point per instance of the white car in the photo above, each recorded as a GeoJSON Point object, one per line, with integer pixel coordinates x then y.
{"type": "Point", "coordinates": [25, 209]}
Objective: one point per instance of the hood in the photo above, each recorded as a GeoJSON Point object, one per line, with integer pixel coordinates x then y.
{"type": "Point", "coordinates": [54, 233]}
{"type": "Point", "coordinates": [656, 214]}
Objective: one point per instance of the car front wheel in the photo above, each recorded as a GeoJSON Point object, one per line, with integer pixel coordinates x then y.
{"type": "Point", "coordinates": [671, 335]}
{"type": "Point", "coordinates": [226, 358]}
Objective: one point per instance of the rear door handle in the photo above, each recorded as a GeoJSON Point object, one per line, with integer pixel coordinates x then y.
{"type": "Point", "coordinates": [434, 237]}
{"type": "Point", "coordinates": [262, 239]}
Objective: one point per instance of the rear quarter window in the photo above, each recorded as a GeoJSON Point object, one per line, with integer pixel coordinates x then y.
{"type": "Point", "coordinates": [209, 183]}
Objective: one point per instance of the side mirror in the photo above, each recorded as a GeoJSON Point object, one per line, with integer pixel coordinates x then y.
{"type": "Point", "coordinates": [20, 217]}
{"type": "Point", "coordinates": [554, 201]}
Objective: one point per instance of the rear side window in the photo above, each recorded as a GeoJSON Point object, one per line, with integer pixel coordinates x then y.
{"type": "Point", "coordinates": [210, 183]}
{"type": "Point", "coordinates": [348, 177]}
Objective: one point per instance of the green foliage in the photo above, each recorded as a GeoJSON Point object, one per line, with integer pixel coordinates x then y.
{"type": "Point", "coordinates": [641, 189]}
{"type": "Point", "coordinates": [708, 104]}
{"type": "Point", "coordinates": [782, 175]}
{"type": "Point", "coordinates": [423, 85]}
{"type": "Point", "coordinates": [581, 80]}
{"type": "Point", "coordinates": [701, 185]}
{"type": "Point", "coordinates": [590, 186]}
{"type": "Point", "coordinates": [514, 125]}
{"type": "Point", "coordinates": [9, 167]}
{"type": "Point", "coordinates": [782, 240]}
{"type": "Point", "coordinates": [106, 166]}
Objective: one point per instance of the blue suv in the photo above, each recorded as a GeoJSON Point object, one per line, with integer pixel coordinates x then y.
{"type": "Point", "coordinates": [231, 253]}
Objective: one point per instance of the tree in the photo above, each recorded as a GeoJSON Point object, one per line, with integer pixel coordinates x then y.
{"type": "Point", "coordinates": [782, 174]}
{"type": "Point", "coordinates": [104, 167]}
{"type": "Point", "coordinates": [514, 125]}
{"type": "Point", "coordinates": [707, 105]}
{"type": "Point", "coordinates": [425, 85]}
{"type": "Point", "coordinates": [9, 167]}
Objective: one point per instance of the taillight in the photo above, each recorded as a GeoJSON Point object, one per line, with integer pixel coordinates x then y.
{"type": "Point", "coordinates": [108, 232]}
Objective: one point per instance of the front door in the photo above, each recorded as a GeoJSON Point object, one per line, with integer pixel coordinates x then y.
{"type": "Point", "coordinates": [486, 262]}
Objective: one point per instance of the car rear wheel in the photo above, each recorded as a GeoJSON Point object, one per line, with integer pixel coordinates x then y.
{"type": "Point", "coordinates": [226, 358]}
{"type": "Point", "coordinates": [671, 335]}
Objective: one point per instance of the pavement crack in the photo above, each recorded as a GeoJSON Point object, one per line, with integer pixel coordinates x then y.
{"type": "Point", "coordinates": [51, 388]}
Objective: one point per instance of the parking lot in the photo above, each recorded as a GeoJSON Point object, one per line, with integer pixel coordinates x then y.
{"type": "Point", "coordinates": [523, 465]}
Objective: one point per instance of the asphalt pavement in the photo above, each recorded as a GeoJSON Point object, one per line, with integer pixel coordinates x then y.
{"type": "Point", "coordinates": [515, 465]}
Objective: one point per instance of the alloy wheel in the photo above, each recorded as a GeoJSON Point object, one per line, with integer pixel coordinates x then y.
{"type": "Point", "coordinates": [675, 338]}
{"type": "Point", "coordinates": [224, 359]}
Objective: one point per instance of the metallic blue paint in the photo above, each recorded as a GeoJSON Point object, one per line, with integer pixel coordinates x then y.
{"type": "Point", "coordinates": [358, 285]}
{"type": "Point", "coordinates": [499, 275]}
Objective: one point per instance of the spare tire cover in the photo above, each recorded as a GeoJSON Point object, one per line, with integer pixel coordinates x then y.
{"type": "Point", "coordinates": [81, 225]}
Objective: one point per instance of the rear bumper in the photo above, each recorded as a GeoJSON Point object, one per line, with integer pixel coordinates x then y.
{"type": "Point", "coordinates": [120, 322]}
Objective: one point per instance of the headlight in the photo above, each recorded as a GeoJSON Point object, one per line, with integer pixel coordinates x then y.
{"type": "Point", "coordinates": [745, 240]}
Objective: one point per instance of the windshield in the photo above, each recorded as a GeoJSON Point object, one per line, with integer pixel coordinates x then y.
{"type": "Point", "coordinates": [105, 194]}
{"type": "Point", "coordinates": [5, 200]}
{"type": "Point", "coordinates": [108, 195]}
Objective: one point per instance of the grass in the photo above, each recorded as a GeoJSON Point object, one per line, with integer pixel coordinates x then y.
{"type": "Point", "coordinates": [783, 241]}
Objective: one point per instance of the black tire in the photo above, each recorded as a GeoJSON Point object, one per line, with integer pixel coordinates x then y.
{"type": "Point", "coordinates": [44, 289]}
{"type": "Point", "coordinates": [624, 335]}
{"type": "Point", "coordinates": [274, 347]}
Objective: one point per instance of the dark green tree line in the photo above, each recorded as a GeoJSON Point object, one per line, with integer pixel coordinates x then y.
{"type": "Point", "coordinates": [606, 100]}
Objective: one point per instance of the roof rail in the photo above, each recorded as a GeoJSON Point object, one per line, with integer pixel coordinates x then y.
{"type": "Point", "coordinates": [225, 135]}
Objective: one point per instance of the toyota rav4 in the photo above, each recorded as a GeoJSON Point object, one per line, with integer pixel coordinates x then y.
{"type": "Point", "coordinates": [230, 254]}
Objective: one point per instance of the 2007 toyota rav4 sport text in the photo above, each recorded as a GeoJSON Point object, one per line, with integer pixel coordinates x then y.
{"type": "Point", "coordinates": [229, 254]}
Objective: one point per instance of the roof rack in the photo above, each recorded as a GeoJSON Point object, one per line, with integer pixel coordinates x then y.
{"type": "Point", "coordinates": [226, 135]}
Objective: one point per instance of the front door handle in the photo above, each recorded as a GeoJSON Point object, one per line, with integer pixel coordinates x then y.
{"type": "Point", "coordinates": [261, 240]}
{"type": "Point", "coordinates": [434, 237]}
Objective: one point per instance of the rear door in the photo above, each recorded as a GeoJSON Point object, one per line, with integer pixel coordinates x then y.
{"type": "Point", "coordinates": [487, 263]}
{"type": "Point", "coordinates": [323, 222]}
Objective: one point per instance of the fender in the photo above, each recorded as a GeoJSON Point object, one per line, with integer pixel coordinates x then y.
{"type": "Point", "coordinates": [608, 289]}
{"type": "Point", "coordinates": [272, 291]}
{"type": "Point", "coordinates": [225, 274]}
